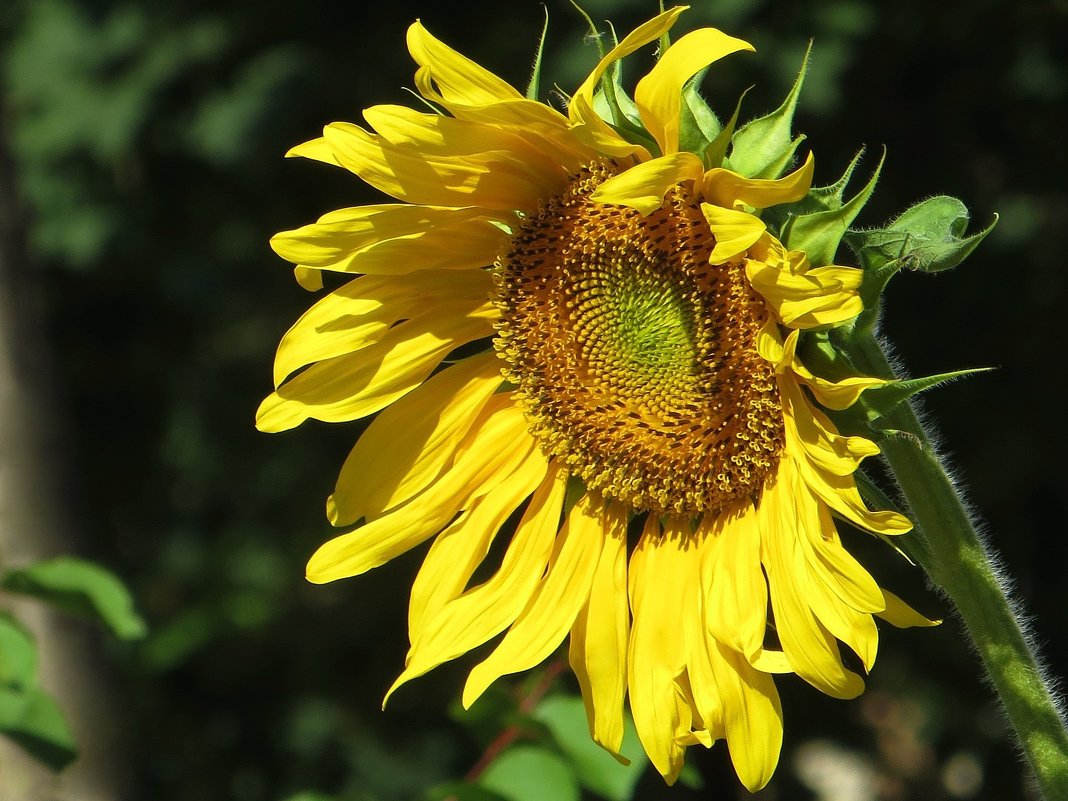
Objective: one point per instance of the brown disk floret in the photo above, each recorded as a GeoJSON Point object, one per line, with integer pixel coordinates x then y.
{"type": "Point", "coordinates": [635, 359]}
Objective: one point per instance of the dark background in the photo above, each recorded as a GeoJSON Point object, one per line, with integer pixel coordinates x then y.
{"type": "Point", "coordinates": [147, 140]}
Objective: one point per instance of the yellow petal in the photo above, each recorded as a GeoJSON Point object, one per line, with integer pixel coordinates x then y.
{"type": "Point", "coordinates": [735, 591]}
{"type": "Point", "coordinates": [493, 180]}
{"type": "Point", "coordinates": [812, 432]}
{"type": "Point", "coordinates": [355, 385]}
{"type": "Point", "coordinates": [722, 187]}
{"type": "Point", "coordinates": [484, 611]}
{"type": "Point", "coordinates": [452, 559]}
{"type": "Point", "coordinates": [752, 715]}
{"type": "Point", "coordinates": [664, 577]}
{"type": "Point", "coordinates": [587, 123]}
{"type": "Point", "coordinates": [900, 614]}
{"type": "Point", "coordinates": [735, 231]}
{"type": "Point", "coordinates": [821, 296]}
{"type": "Point", "coordinates": [408, 444]}
{"type": "Point", "coordinates": [456, 75]}
{"type": "Point", "coordinates": [308, 278]}
{"type": "Point", "coordinates": [316, 149]}
{"type": "Point", "coordinates": [810, 648]}
{"type": "Point", "coordinates": [643, 186]}
{"type": "Point", "coordinates": [659, 94]}
{"type": "Point", "coordinates": [393, 240]}
{"type": "Point", "coordinates": [553, 607]}
{"type": "Point", "coordinates": [598, 651]}
{"type": "Point", "coordinates": [503, 445]}
{"type": "Point", "coordinates": [837, 395]}
{"type": "Point", "coordinates": [362, 311]}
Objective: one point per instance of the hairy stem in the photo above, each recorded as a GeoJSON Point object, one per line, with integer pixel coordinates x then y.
{"type": "Point", "coordinates": [956, 558]}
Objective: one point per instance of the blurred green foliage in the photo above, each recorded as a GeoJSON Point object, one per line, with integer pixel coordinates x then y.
{"type": "Point", "coordinates": [148, 140]}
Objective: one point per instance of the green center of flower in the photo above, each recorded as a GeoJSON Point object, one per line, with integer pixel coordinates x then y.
{"type": "Point", "coordinates": [635, 358]}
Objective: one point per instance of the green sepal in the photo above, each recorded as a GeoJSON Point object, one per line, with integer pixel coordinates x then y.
{"type": "Point", "coordinates": [819, 233]}
{"type": "Point", "coordinates": [830, 197]}
{"type": "Point", "coordinates": [877, 401]}
{"type": "Point", "coordinates": [928, 237]}
{"type": "Point", "coordinates": [698, 124]}
{"type": "Point", "coordinates": [535, 73]}
{"type": "Point", "coordinates": [822, 357]}
{"type": "Point", "coordinates": [81, 587]}
{"type": "Point", "coordinates": [764, 147]}
{"type": "Point", "coordinates": [716, 151]}
{"type": "Point", "coordinates": [908, 545]}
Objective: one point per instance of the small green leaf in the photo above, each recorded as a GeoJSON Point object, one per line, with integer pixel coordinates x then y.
{"type": "Point", "coordinates": [531, 773]}
{"type": "Point", "coordinates": [31, 718]}
{"type": "Point", "coordinates": [690, 777]}
{"type": "Point", "coordinates": [717, 148]}
{"type": "Point", "coordinates": [830, 197]}
{"type": "Point", "coordinates": [877, 401]}
{"type": "Point", "coordinates": [82, 587]}
{"type": "Point", "coordinates": [596, 769]}
{"type": "Point", "coordinates": [764, 147]}
{"type": "Point", "coordinates": [819, 233]}
{"type": "Point", "coordinates": [18, 654]}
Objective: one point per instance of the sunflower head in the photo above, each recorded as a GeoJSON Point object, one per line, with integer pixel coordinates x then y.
{"type": "Point", "coordinates": [584, 323]}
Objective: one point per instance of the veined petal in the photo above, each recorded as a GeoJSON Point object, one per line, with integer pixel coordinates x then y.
{"type": "Point", "coordinates": [484, 611]}
{"type": "Point", "coordinates": [316, 149]}
{"type": "Point", "coordinates": [752, 715]}
{"type": "Point", "coordinates": [663, 582]}
{"type": "Point", "coordinates": [598, 651]}
{"type": "Point", "coordinates": [723, 187]}
{"type": "Point", "coordinates": [835, 567]}
{"type": "Point", "coordinates": [553, 607]}
{"type": "Point", "coordinates": [496, 179]}
{"type": "Point", "coordinates": [452, 559]}
{"type": "Point", "coordinates": [362, 311]}
{"type": "Point", "coordinates": [357, 384]}
{"type": "Point", "coordinates": [820, 296]}
{"type": "Point", "coordinates": [816, 435]}
{"type": "Point", "coordinates": [810, 648]}
{"type": "Point", "coordinates": [456, 75]}
{"type": "Point", "coordinates": [837, 395]}
{"type": "Point", "coordinates": [659, 94]}
{"type": "Point", "coordinates": [587, 123]}
{"type": "Point", "coordinates": [504, 445]}
{"type": "Point", "coordinates": [734, 589]}
{"type": "Point", "coordinates": [409, 443]}
{"type": "Point", "coordinates": [901, 615]}
{"type": "Point", "coordinates": [735, 231]}
{"type": "Point", "coordinates": [644, 185]}
{"type": "Point", "coordinates": [393, 240]}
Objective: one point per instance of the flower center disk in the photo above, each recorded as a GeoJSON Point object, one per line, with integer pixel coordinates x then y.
{"type": "Point", "coordinates": [634, 358]}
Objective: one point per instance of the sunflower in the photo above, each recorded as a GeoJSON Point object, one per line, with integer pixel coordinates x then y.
{"type": "Point", "coordinates": [594, 336]}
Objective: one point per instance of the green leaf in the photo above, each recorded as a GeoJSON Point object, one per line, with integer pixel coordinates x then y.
{"type": "Point", "coordinates": [531, 773]}
{"type": "Point", "coordinates": [82, 587]}
{"type": "Point", "coordinates": [877, 401]}
{"type": "Point", "coordinates": [31, 718]}
{"type": "Point", "coordinates": [830, 197]}
{"type": "Point", "coordinates": [764, 147]}
{"type": "Point", "coordinates": [18, 654]}
{"type": "Point", "coordinates": [819, 233]}
{"type": "Point", "coordinates": [596, 769]}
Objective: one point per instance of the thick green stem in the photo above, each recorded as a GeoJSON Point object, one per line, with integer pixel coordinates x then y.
{"type": "Point", "coordinates": [955, 558]}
